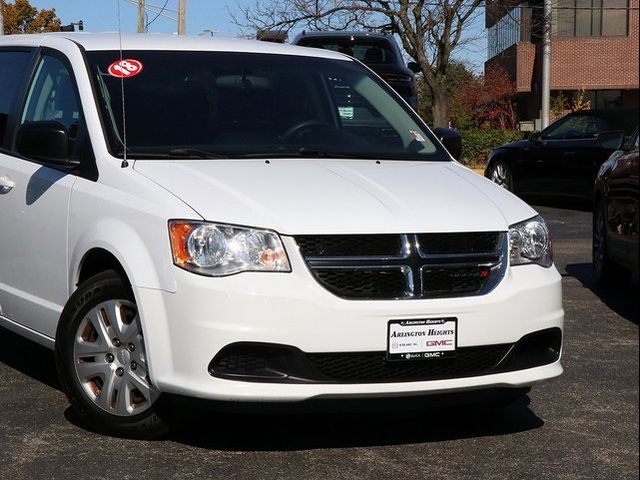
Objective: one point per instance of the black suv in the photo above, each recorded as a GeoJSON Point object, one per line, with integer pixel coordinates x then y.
{"type": "Point", "coordinates": [379, 51]}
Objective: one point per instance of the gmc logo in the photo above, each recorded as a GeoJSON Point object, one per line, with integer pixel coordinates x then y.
{"type": "Point", "coordinates": [439, 343]}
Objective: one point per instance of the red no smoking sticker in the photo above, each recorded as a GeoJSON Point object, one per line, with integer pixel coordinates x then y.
{"type": "Point", "coordinates": [125, 68]}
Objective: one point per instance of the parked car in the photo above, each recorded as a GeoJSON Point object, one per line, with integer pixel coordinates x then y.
{"type": "Point", "coordinates": [563, 159]}
{"type": "Point", "coordinates": [379, 51]}
{"type": "Point", "coordinates": [199, 217]}
{"type": "Point", "coordinates": [615, 214]}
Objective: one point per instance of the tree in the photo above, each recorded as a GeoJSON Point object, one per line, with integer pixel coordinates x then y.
{"type": "Point", "coordinates": [429, 31]}
{"type": "Point", "coordinates": [21, 17]}
{"type": "Point", "coordinates": [458, 77]}
{"type": "Point", "coordinates": [487, 100]}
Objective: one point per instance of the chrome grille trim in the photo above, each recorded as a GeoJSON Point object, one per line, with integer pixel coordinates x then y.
{"type": "Point", "coordinates": [414, 262]}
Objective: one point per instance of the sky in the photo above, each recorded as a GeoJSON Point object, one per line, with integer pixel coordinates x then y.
{"type": "Point", "coordinates": [101, 16]}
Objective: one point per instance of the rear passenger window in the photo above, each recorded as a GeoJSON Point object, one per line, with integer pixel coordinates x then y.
{"type": "Point", "coordinates": [13, 69]}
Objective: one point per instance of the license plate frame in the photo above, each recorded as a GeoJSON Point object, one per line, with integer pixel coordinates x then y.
{"type": "Point", "coordinates": [415, 347]}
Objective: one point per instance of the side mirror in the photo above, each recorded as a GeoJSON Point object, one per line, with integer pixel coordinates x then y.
{"type": "Point", "coordinates": [535, 137]}
{"type": "Point", "coordinates": [414, 67]}
{"type": "Point", "coordinates": [46, 141]}
{"type": "Point", "coordinates": [451, 139]}
{"type": "Point", "coordinates": [611, 140]}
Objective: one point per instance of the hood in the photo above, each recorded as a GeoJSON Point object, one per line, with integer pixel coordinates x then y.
{"type": "Point", "coordinates": [310, 196]}
{"type": "Point", "coordinates": [519, 144]}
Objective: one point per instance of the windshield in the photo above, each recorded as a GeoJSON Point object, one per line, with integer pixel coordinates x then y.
{"type": "Point", "coordinates": [242, 105]}
{"type": "Point", "coordinates": [369, 51]}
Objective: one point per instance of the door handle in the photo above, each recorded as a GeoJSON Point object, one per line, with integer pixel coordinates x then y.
{"type": "Point", "coordinates": [6, 185]}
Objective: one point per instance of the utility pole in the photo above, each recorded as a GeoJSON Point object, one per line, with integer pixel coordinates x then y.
{"type": "Point", "coordinates": [546, 65]}
{"type": "Point", "coordinates": [141, 16]}
{"type": "Point", "coordinates": [1, 18]}
{"type": "Point", "coordinates": [182, 17]}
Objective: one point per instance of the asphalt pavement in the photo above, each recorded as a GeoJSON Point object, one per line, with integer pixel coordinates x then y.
{"type": "Point", "coordinates": [583, 425]}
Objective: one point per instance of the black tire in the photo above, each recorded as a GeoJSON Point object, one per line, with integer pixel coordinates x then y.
{"type": "Point", "coordinates": [500, 173]}
{"type": "Point", "coordinates": [605, 272]}
{"type": "Point", "coordinates": [104, 287]}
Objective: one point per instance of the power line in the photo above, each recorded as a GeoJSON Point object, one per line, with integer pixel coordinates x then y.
{"type": "Point", "coordinates": [164, 15]}
{"type": "Point", "coordinates": [157, 15]}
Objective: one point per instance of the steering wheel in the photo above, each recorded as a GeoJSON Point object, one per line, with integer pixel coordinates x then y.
{"type": "Point", "coordinates": [305, 125]}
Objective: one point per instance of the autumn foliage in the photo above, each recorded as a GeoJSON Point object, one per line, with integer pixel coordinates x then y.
{"type": "Point", "coordinates": [486, 102]}
{"type": "Point", "coordinates": [21, 17]}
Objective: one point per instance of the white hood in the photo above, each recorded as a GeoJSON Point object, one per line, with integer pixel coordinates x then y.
{"type": "Point", "coordinates": [323, 196]}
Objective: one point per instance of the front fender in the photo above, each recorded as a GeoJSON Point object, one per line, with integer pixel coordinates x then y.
{"type": "Point", "coordinates": [143, 269]}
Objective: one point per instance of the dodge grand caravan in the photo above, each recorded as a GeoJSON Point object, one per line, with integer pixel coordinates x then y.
{"type": "Point", "coordinates": [243, 221]}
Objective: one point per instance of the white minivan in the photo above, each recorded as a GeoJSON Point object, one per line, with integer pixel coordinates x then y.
{"type": "Point", "coordinates": [251, 222]}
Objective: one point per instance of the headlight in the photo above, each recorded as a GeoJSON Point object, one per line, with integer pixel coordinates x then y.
{"type": "Point", "coordinates": [218, 250]}
{"type": "Point", "coordinates": [529, 242]}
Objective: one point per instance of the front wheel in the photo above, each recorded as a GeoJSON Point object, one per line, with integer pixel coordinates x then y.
{"type": "Point", "coordinates": [500, 174]}
{"type": "Point", "coordinates": [605, 272]}
{"type": "Point", "coordinates": [102, 363]}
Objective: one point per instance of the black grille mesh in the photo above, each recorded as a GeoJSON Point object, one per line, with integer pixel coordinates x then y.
{"type": "Point", "coordinates": [363, 283]}
{"type": "Point", "coordinates": [453, 281]}
{"type": "Point", "coordinates": [450, 243]}
{"type": "Point", "coordinates": [349, 245]}
{"type": "Point", "coordinates": [373, 367]}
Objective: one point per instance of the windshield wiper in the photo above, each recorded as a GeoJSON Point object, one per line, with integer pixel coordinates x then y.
{"type": "Point", "coordinates": [194, 152]}
{"type": "Point", "coordinates": [306, 152]}
{"type": "Point", "coordinates": [177, 153]}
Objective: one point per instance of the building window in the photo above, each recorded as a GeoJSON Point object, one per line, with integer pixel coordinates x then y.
{"type": "Point", "coordinates": [505, 33]}
{"type": "Point", "coordinates": [604, 98]}
{"type": "Point", "coordinates": [591, 18]}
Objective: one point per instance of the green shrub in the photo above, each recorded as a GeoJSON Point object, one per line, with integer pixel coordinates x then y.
{"type": "Point", "coordinates": [477, 144]}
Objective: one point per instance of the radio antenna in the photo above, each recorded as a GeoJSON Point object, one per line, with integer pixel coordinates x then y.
{"type": "Point", "coordinates": [125, 163]}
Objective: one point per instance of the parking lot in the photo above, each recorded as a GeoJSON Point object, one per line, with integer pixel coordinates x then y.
{"type": "Point", "coordinates": [582, 425]}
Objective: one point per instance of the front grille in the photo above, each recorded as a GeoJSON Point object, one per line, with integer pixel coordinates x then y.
{"type": "Point", "coordinates": [373, 367]}
{"type": "Point", "coordinates": [407, 266]}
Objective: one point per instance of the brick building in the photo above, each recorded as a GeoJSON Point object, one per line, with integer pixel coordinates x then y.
{"type": "Point", "coordinates": [594, 47]}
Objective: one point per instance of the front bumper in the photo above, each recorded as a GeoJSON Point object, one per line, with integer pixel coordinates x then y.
{"type": "Point", "coordinates": [186, 329]}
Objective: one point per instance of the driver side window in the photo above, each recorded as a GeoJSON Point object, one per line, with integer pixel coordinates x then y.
{"type": "Point", "coordinates": [576, 127]}
{"type": "Point", "coordinates": [52, 97]}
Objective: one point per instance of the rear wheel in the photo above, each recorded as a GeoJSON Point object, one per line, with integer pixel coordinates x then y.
{"type": "Point", "coordinates": [500, 174]}
{"type": "Point", "coordinates": [605, 272]}
{"type": "Point", "coordinates": [102, 363]}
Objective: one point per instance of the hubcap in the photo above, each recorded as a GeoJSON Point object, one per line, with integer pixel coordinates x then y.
{"type": "Point", "coordinates": [499, 175]}
{"type": "Point", "coordinates": [114, 375]}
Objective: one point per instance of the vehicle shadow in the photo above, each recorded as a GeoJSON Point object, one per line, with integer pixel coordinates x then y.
{"type": "Point", "coordinates": [41, 181]}
{"type": "Point", "coordinates": [622, 299]}
{"type": "Point", "coordinates": [28, 358]}
{"type": "Point", "coordinates": [209, 429]}
{"type": "Point", "coordinates": [319, 430]}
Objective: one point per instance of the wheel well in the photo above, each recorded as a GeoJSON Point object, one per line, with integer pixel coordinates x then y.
{"type": "Point", "coordinates": [97, 261]}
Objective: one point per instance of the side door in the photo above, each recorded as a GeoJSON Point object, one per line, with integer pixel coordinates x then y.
{"type": "Point", "coordinates": [15, 65]}
{"type": "Point", "coordinates": [34, 213]}
{"type": "Point", "coordinates": [570, 155]}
